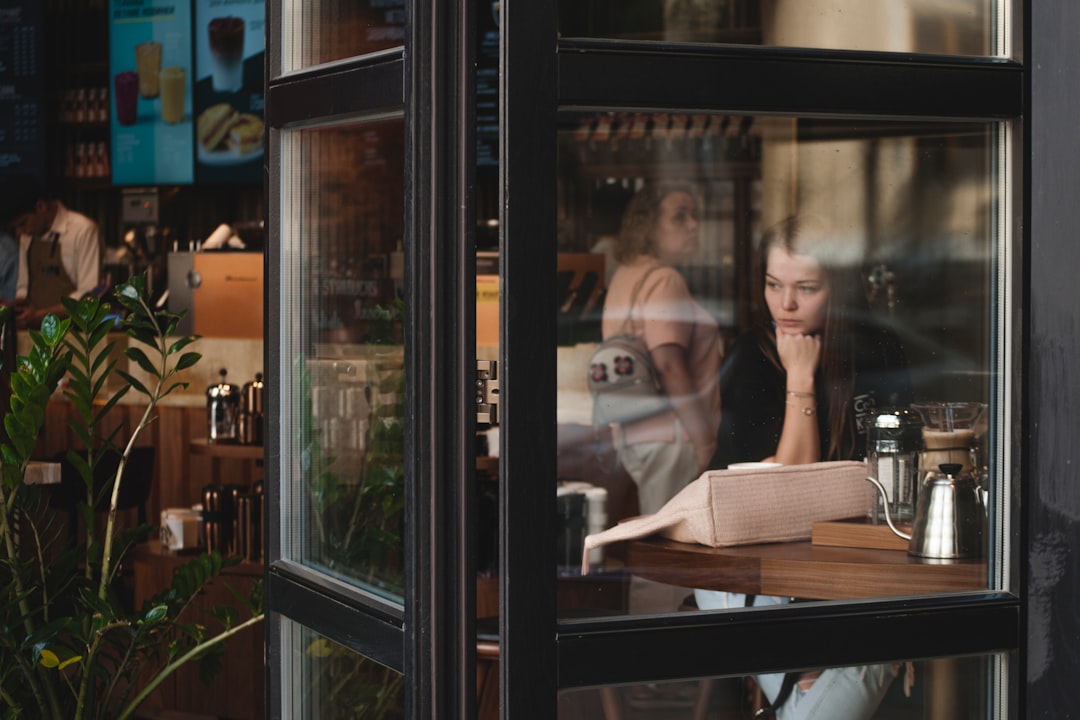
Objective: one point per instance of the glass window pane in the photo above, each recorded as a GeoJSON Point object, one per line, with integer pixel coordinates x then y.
{"type": "Point", "coordinates": [961, 688]}
{"type": "Point", "coordinates": [322, 31]}
{"type": "Point", "coordinates": [327, 681]}
{"type": "Point", "coordinates": [809, 290]}
{"type": "Point", "coordinates": [343, 426]}
{"type": "Point", "coordinates": [952, 27]}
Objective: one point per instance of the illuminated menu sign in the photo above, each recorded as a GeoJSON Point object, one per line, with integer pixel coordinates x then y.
{"type": "Point", "coordinates": [150, 61]}
{"type": "Point", "coordinates": [229, 50]}
{"type": "Point", "coordinates": [22, 113]}
{"type": "Point", "coordinates": [487, 88]}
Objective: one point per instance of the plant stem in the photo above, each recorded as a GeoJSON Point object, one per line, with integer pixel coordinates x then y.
{"type": "Point", "coordinates": [46, 697]}
{"type": "Point", "coordinates": [175, 664]}
{"type": "Point", "coordinates": [163, 373]}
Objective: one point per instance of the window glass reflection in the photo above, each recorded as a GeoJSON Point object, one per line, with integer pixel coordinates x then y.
{"type": "Point", "coordinates": [951, 27]}
{"type": "Point", "coordinates": [327, 681]}
{"type": "Point", "coordinates": [846, 278]}
{"type": "Point", "coordinates": [344, 424]}
{"type": "Point", "coordinates": [952, 688]}
{"type": "Point", "coordinates": [321, 31]}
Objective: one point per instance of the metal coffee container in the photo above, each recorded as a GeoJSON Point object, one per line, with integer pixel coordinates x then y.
{"type": "Point", "coordinates": [221, 520]}
{"type": "Point", "coordinates": [217, 517]}
{"type": "Point", "coordinates": [250, 426]}
{"type": "Point", "coordinates": [249, 512]}
{"type": "Point", "coordinates": [222, 412]}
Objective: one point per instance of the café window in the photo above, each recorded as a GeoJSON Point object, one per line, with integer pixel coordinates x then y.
{"type": "Point", "coordinates": [342, 377]}
{"type": "Point", "coordinates": [810, 290]}
{"type": "Point", "coordinates": [940, 27]}
{"type": "Point", "coordinates": [323, 31]}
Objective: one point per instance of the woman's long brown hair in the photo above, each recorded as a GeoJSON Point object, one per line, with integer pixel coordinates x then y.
{"type": "Point", "coordinates": [797, 235]}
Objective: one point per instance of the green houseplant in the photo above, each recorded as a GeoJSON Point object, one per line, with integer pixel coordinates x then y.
{"type": "Point", "coordinates": [69, 648]}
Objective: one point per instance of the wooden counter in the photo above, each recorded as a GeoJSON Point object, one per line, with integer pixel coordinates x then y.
{"type": "Point", "coordinates": [182, 466]}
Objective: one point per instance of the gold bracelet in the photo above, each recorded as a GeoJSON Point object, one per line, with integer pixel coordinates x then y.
{"type": "Point", "coordinates": [795, 393]}
{"type": "Point", "coordinates": [805, 410]}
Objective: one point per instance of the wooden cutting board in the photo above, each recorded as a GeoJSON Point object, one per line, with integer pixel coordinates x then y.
{"type": "Point", "coordinates": [858, 533]}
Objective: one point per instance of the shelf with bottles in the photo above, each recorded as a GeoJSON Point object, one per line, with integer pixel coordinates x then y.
{"type": "Point", "coordinates": [79, 116]}
{"type": "Point", "coordinates": [84, 106]}
{"type": "Point", "coordinates": [86, 161]}
{"type": "Point", "coordinates": [646, 144]}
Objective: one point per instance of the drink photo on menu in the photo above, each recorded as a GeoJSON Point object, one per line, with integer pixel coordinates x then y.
{"type": "Point", "coordinates": [152, 113]}
{"type": "Point", "coordinates": [229, 126]}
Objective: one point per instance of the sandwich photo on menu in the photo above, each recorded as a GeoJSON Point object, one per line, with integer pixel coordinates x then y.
{"type": "Point", "coordinates": [228, 136]}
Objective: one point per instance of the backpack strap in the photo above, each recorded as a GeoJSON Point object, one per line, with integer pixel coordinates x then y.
{"type": "Point", "coordinates": [633, 299]}
{"type": "Point", "coordinates": [768, 710]}
{"type": "Point", "coordinates": [786, 685]}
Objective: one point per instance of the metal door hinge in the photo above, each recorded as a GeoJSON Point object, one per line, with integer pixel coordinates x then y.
{"type": "Point", "coordinates": [487, 392]}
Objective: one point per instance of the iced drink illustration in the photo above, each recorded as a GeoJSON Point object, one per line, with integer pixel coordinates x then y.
{"type": "Point", "coordinates": [227, 53]}
{"type": "Point", "coordinates": [173, 80]}
{"type": "Point", "coordinates": [127, 97]}
{"type": "Point", "coordinates": [148, 64]}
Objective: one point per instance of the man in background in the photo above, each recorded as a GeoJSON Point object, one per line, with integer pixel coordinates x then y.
{"type": "Point", "coordinates": [59, 250]}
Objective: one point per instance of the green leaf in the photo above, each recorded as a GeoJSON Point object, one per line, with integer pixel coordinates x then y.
{"type": "Point", "coordinates": [130, 379]}
{"type": "Point", "coordinates": [50, 329]}
{"type": "Point", "coordinates": [176, 386]}
{"type": "Point", "coordinates": [103, 356]}
{"type": "Point", "coordinates": [187, 360]}
{"type": "Point", "coordinates": [100, 332]}
{"type": "Point", "coordinates": [225, 614]}
{"type": "Point", "coordinates": [136, 354]}
{"type": "Point", "coordinates": [156, 614]}
{"type": "Point", "coordinates": [181, 344]}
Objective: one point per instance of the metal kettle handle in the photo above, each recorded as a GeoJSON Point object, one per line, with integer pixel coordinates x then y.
{"type": "Point", "coordinates": [885, 505]}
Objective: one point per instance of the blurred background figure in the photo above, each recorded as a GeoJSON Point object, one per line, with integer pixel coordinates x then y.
{"type": "Point", "coordinates": [59, 250]}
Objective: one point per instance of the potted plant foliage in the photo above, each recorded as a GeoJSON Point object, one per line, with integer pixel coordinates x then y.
{"type": "Point", "coordinates": [69, 648]}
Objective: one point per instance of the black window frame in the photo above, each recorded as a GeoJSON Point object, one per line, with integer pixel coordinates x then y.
{"type": "Point", "coordinates": [430, 637]}
{"type": "Point", "coordinates": [540, 656]}
{"type": "Point", "coordinates": [599, 75]}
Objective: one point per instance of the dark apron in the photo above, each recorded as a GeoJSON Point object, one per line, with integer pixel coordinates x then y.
{"type": "Point", "coordinates": [48, 282]}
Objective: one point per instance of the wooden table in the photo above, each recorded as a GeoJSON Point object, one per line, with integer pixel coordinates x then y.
{"type": "Point", "coordinates": [800, 570]}
{"type": "Point", "coordinates": [817, 572]}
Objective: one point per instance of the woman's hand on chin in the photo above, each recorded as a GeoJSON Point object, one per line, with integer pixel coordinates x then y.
{"type": "Point", "coordinates": [799, 354]}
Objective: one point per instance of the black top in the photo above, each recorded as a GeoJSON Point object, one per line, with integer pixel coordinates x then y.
{"type": "Point", "coordinates": [753, 394]}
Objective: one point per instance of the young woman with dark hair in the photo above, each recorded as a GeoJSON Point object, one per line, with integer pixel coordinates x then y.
{"type": "Point", "coordinates": [799, 386]}
{"type": "Point", "coordinates": [796, 390]}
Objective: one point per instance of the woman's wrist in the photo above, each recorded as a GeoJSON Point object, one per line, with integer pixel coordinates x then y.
{"type": "Point", "coordinates": [802, 407]}
{"type": "Point", "coordinates": [799, 383]}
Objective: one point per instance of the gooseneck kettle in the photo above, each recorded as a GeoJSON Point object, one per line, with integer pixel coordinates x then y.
{"type": "Point", "coordinates": [950, 518]}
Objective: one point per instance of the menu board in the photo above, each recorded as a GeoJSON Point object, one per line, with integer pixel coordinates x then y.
{"type": "Point", "coordinates": [229, 50]}
{"type": "Point", "coordinates": [151, 68]}
{"type": "Point", "coordinates": [487, 88]}
{"type": "Point", "coordinates": [22, 112]}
